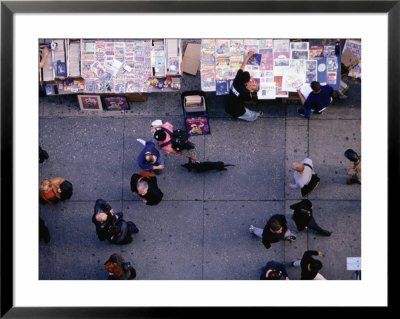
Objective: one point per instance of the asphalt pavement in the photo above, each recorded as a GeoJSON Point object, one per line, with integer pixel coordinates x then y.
{"type": "Point", "coordinates": [200, 228]}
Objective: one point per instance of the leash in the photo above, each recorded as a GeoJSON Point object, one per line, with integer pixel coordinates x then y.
{"type": "Point", "coordinates": [191, 158]}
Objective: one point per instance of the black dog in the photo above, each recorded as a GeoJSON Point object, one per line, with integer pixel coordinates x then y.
{"type": "Point", "coordinates": [201, 167]}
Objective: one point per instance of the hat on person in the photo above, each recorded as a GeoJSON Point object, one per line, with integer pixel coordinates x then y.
{"type": "Point", "coordinates": [160, 135]}
{"type": "Point", "coordinates": [351, 155]}
{"type": "Point", "coordinates": [156, 123]}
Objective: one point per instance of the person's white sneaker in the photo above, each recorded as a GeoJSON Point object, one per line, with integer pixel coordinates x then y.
{"type": "Point", "coordinates": [251, 229]}
{"type": "Point", "coordinates": [141, 141]}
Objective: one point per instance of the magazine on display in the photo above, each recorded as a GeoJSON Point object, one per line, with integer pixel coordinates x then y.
{"type": "Point", "coordinates": [278, 87]}
{"type": "Point", "coordinates": [299, 54]}
{"type": "Point", "coordinates": [299, 46]}
{"type": "Point", "coordinates": [197, 125]}
{"type": "Point", "coordinates": [237, 47]}
{"type": "Point", "coordinates": [316, 52]}
{"type": "Point", "coordinates": [266, 91]}
{"type": "Point", "coordinates": [250, 45]}
{"type": "Point", "coordinates": [329, 50]}
{"type": "Point", "coordinates": [291, 81]}
{"type": "Point", "coordinates": [267, 59]}
{"type": "Point", "coordinates": [281, 45]}
{"type": "Point", "coordinates": [222, 87]}
{"type": "Point", "coordinates": [281, 65]}
{"type": "Point", "coordinates": [311, 71]}
{"type": "Point", "coordinates": [255, 59]}
{"type": "Point", "coordinates": [265, 44]}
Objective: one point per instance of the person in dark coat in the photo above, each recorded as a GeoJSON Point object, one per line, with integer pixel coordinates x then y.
{"type": "Point", "coordinates": [43, 231]}
{"type": "Point", "coordinates": [146, 187]}
{"type": "Point", "coordinates": [275, 230]}
{"type": "Point", "coordinates": [102, 218]}
{"type": "Point", "coordinates": [309, 266]}
{"type": "Point", "coordinates": [274, 270]}
{"type": "Point", "coordinates": [121, 231]}
{"type": "Point", "coordinates": [110, 225]}
{"type": "Point", "coordinates": [119, 269]}
{"type": "Point", "coordinates": [304, 219]}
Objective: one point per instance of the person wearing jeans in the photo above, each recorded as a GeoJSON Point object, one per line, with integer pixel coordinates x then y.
{"type": "Point", "coordinates": [275, 230]}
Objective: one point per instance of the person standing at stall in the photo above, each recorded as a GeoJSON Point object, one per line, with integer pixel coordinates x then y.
{"type": "Point", "coordinates": [240, 93]}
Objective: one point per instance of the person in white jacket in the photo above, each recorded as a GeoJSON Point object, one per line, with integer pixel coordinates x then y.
{"type": "Point", "coordinates": [302, 173]}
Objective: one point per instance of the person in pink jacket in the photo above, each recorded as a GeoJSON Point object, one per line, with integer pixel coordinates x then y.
{"type": "Point", "coordinates": [161, 136]}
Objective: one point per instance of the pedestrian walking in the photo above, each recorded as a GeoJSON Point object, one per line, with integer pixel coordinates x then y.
{"type": "Point", "coordinates": [305, 177]}
{"type": "Point", "coordinates": [43, 231]}
{"type": "Point", "coordinates": [304, 219]}
{"type": "Point", "coordinates": [310, 267]}
{"type": "Point", "coordinates": [119, 269]}
{"type": "Point", "coordinates": [170, 140]}
{"type": "Point", "coordinates": [315, 98]}
{"type": "Point", "coordinates": [43, 155]}
{"type": "Point", "coordinates": [274, 270]}
{"type": "Point", "coordinates": [54, 189]}
{"type": "Point", "coordinates": [355, 171]}
{"type": "Point", "coordinates": [240, 94]}
{"type": "Point", "coordinates": [145, 185]}
{"type": "Point", "coordinates": [111, 225]}
{"type": "Point", "coordinates": [275, 230]}
{"type": "Point", "coordinates": [149, 158]}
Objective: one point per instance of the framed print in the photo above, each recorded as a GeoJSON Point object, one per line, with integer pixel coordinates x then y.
{"type": "Point", "coordinates": [116, 103]}
{"type": "Point", "coordinates": [90, 102]}
{"type": "Point", "coordinates": [202, 232]}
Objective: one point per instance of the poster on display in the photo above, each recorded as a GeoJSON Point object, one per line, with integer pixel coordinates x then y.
{"type": "Point", "coordinates": [90, 102]}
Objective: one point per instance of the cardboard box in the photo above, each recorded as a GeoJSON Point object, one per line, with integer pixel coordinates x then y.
{"type": "Point", "coordinates": [195, 108]}
{"type": "Point", "coordinates": [349, 59]}
{"type": "Point", "coordinates": [191, 58]}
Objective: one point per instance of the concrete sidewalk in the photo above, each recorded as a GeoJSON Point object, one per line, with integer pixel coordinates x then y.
{"type": "Point", "coordinates": [200, 228]}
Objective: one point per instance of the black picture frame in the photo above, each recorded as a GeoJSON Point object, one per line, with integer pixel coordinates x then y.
{"type": "Point", "coordinates": [9, 8]}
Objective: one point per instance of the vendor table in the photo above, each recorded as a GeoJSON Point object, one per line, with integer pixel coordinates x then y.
{"type": "Point", "coordinates": [278, 67]}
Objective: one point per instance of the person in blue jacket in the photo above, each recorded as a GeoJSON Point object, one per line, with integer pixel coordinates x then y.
{"type": "Point", "coordinates": [316, 101]}
{"type": "Point", "coordinates": [149, 158]}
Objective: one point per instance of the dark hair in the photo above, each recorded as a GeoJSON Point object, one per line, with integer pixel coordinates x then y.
{"type": "Point", "coordinates": [351, 155]}
{"type": "Point", "coordinates": [244, 77]}
{"type": "Point", "coordinates": [274, 275]}
{"type": "Point", "coordinates": [160, 135]}
{"type": "Point", "coordinates": [315, 86]}
{"type": "Point", "coordinates": [66, 190]}
{"type": "Point", "coordinates": [315, 265]}
{"type": "Point", "coordinates": [275, 224]}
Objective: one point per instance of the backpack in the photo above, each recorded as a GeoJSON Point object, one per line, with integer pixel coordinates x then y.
{"type": "Point", "coordinates": [179, 140]}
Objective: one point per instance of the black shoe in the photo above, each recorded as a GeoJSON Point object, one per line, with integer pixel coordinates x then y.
{"type": "Point", "coordinates": [300, 111]}
{"type": "Point", "coordinates": [132, 228]}
{"type": "Point", "coordinates": [292, 238]}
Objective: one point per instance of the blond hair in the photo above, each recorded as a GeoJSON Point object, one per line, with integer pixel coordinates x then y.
{"type": "Point", "coordinates": [45, 185]}
{"type": "Point", "coordinates": [297, 166]}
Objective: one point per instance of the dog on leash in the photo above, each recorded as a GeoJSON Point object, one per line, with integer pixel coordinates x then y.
{"type": "Point", "coordinates": [201, 167]}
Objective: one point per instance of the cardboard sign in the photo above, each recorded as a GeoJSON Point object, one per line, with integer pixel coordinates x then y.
{"type": "Point", "coordinates": [191, 59]}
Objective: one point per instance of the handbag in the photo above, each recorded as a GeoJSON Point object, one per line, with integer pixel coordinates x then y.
{"type": "Point", "coordinates": [314, 182]}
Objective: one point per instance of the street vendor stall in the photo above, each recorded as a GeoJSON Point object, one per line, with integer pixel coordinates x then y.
{"type": "Point", "coordinates": [128, 67]}
{"type": "Point", "coordinates": [277, 69]}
